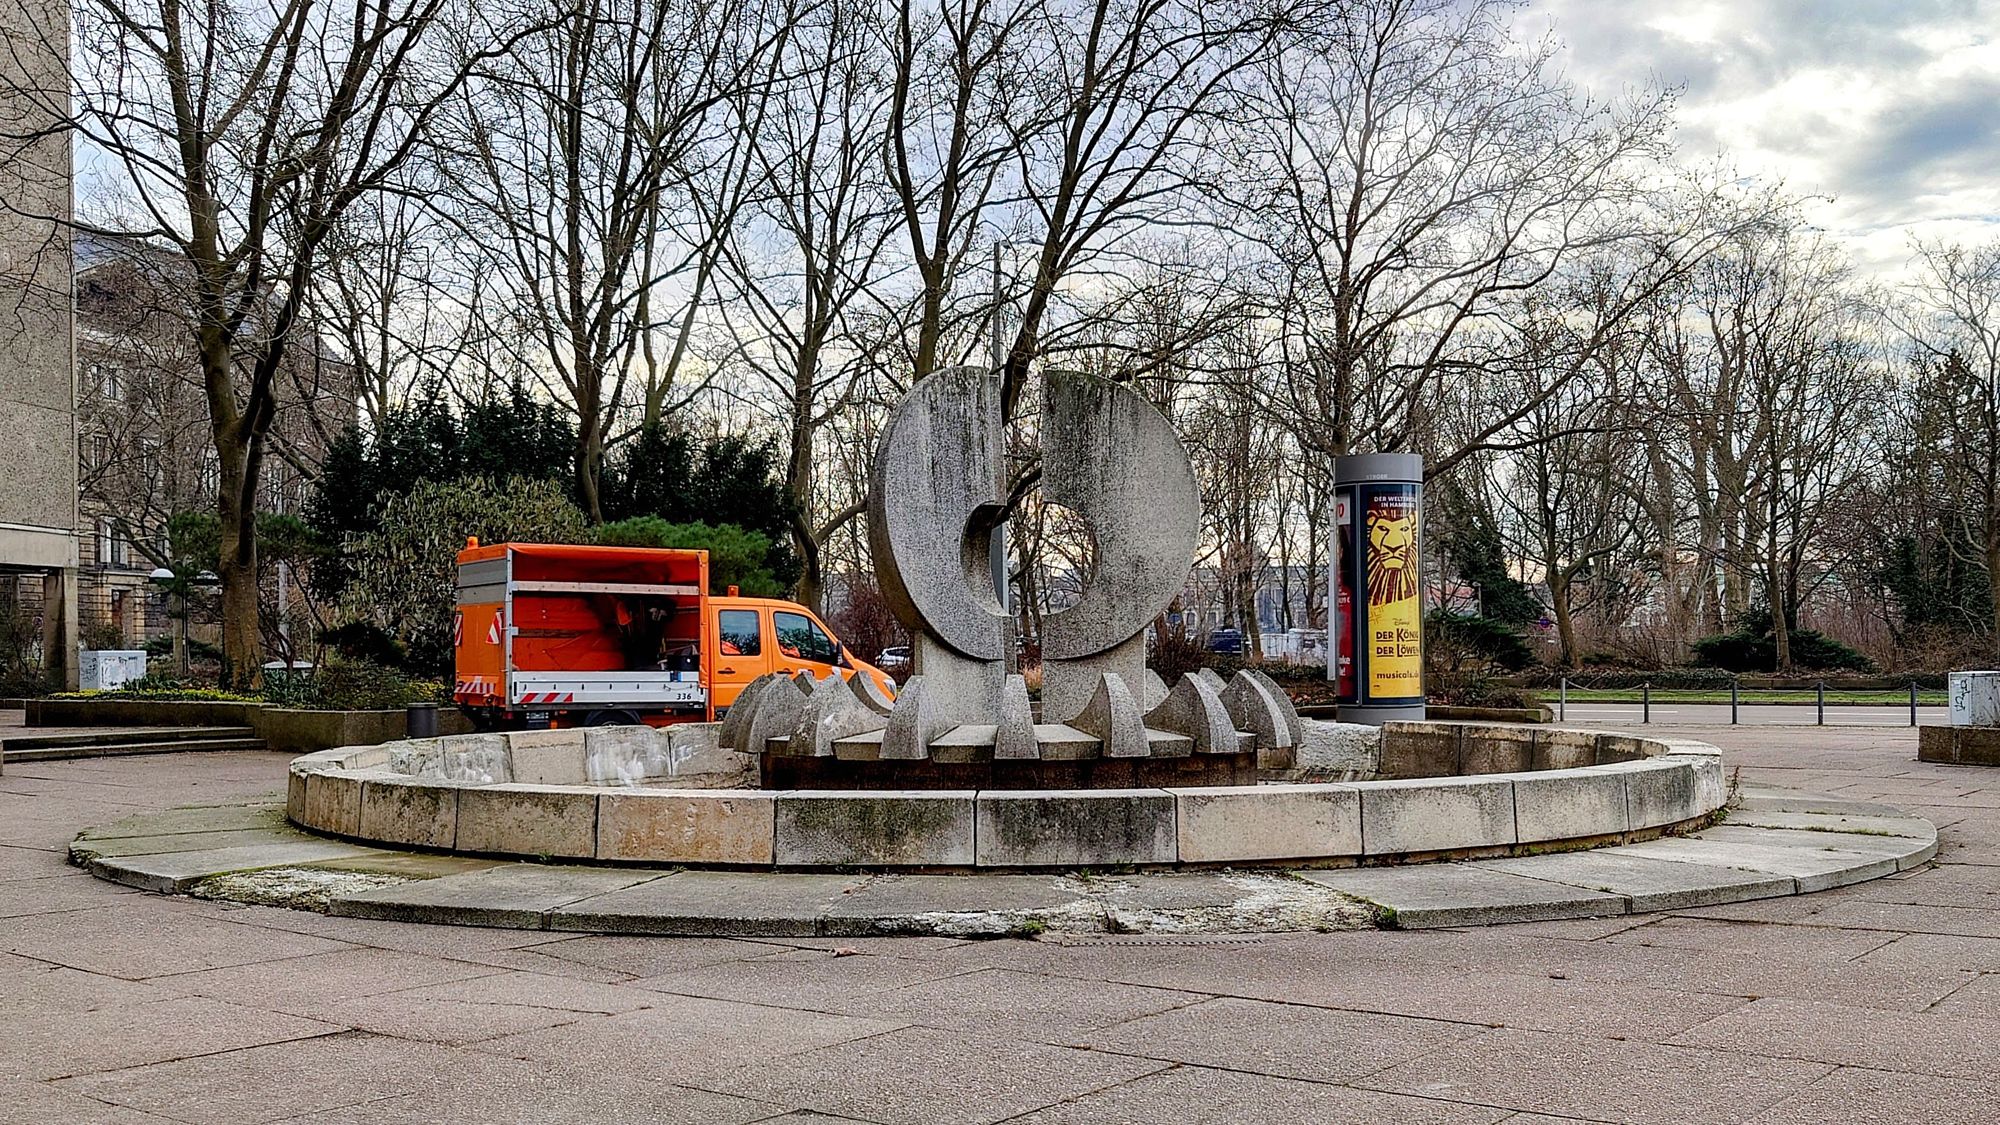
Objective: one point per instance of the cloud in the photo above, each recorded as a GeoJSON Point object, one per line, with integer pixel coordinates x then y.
{"type": "Point", "coordinates": [1890, 107]}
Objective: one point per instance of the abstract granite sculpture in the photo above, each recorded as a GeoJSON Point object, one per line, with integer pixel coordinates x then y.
{"type": "Point", "coordinates": [938, 490]}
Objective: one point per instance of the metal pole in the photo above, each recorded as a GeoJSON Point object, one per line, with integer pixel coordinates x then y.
{"type": "Point", "coordinates": [1562, 702]}
{"type": "Point", "coordinates": [1734, 698]}
{"type": "Point", "coordinates": [996, 558]}
{"type": "Point", "coordinates": [1822, 703]}
{"type": "Point", "coordinates": [1913, 703]}
{"type": "Point", "coordinates": [1646, 697]}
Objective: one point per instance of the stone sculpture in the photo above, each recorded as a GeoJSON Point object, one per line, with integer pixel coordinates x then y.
{"type": "Point", "coordinates": [937, 491]}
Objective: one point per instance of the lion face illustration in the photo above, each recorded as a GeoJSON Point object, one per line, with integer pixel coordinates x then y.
{"type": "Point", "coordinates": [1392, 558]}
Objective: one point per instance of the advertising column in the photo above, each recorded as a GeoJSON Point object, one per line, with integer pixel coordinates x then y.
{"type": "Point", "coordinates": [1376, 659]}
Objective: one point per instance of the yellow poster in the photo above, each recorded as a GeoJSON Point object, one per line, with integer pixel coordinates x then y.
{"type": "Point", "coordinates": [1395, 596]}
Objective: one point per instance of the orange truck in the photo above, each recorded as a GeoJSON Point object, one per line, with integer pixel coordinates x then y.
{"type": "Point", "coordinates": [552, 634]}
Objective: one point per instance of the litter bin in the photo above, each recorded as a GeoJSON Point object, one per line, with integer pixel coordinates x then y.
{"type": "Point", "coordinates": [421, 721]}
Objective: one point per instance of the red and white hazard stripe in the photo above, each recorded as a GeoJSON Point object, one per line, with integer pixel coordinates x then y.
{"type": "Point", "coordinates": [548, 697]}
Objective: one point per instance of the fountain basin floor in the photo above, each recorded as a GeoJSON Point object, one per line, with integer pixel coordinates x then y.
{"type": "Point", "coordinates": [1774, 842]}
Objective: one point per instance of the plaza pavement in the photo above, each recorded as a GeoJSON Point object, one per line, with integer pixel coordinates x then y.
{"type": "Point", "coordinates": [1873, 1003]}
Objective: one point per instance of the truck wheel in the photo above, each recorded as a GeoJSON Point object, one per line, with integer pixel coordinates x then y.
{"type": "Point", "coordinates": [613, 719]}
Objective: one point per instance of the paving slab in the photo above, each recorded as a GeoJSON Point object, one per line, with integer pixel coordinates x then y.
{"type": "Point", "coordinates": [1814, 869]}
{"type": "Point", "coordinates": [210, 818]}
{"type": "Point", "coordinates": [917, 1076]}
{"type": "Point", "coordinates": [1649, 884]}
{"type": "Point", "coordinates": [711, 903]}
{"type": "Point", "coordinates": [986, 904]}
{"type": "Point", "coordinates": [1196, 1095]}
{"type": "Point", "coordinates": [1433, 895]}
{"type": "Point", "coordinates": [1767, 799]}
{"type": "Point", "coordinates": [1264, 1038]}
{"type": "Point", "coordinates": [1602, 1080]}
{"type": "Point", "coordinates": [515, 895]}
{"type": "Point", "coordinates": [177, 872]}
{"type": "Point", "coordinates": [87, 848]}
{"type": "Point", "coordinates": [1907, 850]}
{"type": "Point", "coordinates": [1873, 824]}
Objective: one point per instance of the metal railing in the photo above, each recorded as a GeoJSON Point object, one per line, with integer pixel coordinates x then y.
{"type": "Point", "coordinates": [1735, 702]}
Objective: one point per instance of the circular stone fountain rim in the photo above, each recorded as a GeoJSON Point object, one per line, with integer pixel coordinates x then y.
{"type": "Point", "coordinates": [1669, 784]}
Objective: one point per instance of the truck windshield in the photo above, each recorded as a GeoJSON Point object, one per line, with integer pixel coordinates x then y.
{"type": "Point", "coordinates": [799, 637]}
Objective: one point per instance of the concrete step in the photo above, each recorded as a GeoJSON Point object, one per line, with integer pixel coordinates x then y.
{"type": "Point", "coordinates": [11, 752]}
{"type": "Point", "coordinates": [116, 736]}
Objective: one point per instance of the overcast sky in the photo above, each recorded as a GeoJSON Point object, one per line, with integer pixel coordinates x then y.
{"type": "Point", "coordinates": [1892, 107]}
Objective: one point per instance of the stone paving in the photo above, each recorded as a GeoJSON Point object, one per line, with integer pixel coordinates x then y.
{"type": "Point", "coordinates": [1878, 1002]}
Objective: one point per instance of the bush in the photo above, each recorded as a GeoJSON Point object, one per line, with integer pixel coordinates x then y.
{"type": "Point", "coordinates": [1752, 647]}
{"type": "Point", "coordinates": [365, 641]}
{"type": "Point", "coordinates": [163, 645]}
{"type": "Point", "coordinates": [350, 685]}
{"type": "Point", "coordinates": [1681, 678]}
{"type": "Point", "coordinates": [405, 573]}
{"type": "Point", "coordinates": [20, 651]}
{"type": "Point", "coordinates": [739, 558]}
{"type": "Point", "coordinates": [1477, 691]}
{"type": "Point", "coordinates": [1464, 642]}
{"type": "Point", "coordinates": [1176, 652]}
{"type": "Point", "coordinates": [162, 689]}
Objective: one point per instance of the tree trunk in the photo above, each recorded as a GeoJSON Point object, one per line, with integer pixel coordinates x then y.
{"type": "Point", "coordinates": [1781, 630]}
{"type": "Point", "coordinates": [1993, 579]}
{"type": "Point", "coordinates": [236, 566]}
{"type": "Point", "coordinates": [1565, 621]}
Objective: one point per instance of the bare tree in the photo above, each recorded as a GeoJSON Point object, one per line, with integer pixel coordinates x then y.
{"type": "Point", "coordinates": [236, 138]}
{"type": "Point", "coordinates": [1414, 170]}
{"type": "Point", "coordinates": [804, 264]}
{"type": "Point", "coordinates": [592, 172]}
{"type": "Point", "coordinates": [1957, 303]}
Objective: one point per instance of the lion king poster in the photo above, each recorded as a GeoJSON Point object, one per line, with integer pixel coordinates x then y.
{"type": "Point", "coordinates": [1395, 595]}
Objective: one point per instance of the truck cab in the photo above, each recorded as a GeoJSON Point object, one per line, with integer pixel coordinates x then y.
{"type": "Point", "coordinates": [754, 636]}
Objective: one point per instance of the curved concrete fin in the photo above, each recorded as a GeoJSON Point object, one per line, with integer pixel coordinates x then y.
{"type": "Point", "coordinates": [1253, 707]}
{"type": "Point", "coordinates": [735, 724]}
{"type": "Point", "coordinates": [807, 682]}
{"type": "Point", "coordinates": [1194, 709]}
{"type": "Point", "coordinates": [1152, 690]}
{"type": "Point", "coordinates": [828, 717]}
{"type": "Point", "coordinates": [1213, 679]}
{"type": "Point", "coordinates": [911, 725]}
{"type": "Point", "coordinates": [1014, 736]}
{"type": "Point", "coordinates": [870, 695]}
{"type": "Point", "coordinates": [1293, 722]}
{"type": "Point", "coordinates": [1112, 717]}
{"type": "Point", "coordinates": [777, 715]}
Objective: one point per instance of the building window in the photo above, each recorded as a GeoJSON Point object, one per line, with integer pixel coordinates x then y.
{"type": "Point", "coordinates": [109, 380]}
{"type": "Point", "coordinates": [112, 549]}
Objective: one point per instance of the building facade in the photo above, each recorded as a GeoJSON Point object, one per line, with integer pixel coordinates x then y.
{"type": "Point", "coordinates": [39, 553]}
{"type": "Point", "coordinates": [145, 452]}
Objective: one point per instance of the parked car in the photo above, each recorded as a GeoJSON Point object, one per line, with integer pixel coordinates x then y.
{"type": "Point", "coordinates": [894, 658]}
{"type": "Point", "coordinates": [1226, 641]}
